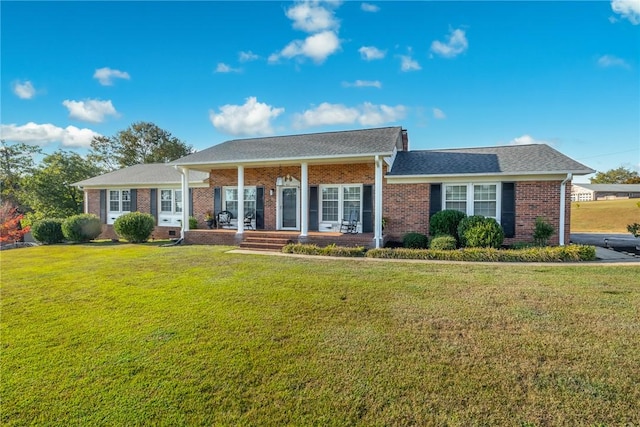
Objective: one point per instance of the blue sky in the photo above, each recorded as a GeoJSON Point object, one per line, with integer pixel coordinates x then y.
{"type": "Point", "coordinates": [455, 74]}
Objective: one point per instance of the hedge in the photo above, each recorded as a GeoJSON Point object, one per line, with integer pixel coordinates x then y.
{"type": "Point", "coordinates": [331, 250]}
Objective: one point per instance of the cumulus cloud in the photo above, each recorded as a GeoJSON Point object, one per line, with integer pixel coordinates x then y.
{"type": "Point", "coordinates": [366, 114]}
{"type": "Point", "coordinates": [47, 133]}
{"type": "Point", "coordinates": [369, 53]}
{"type": "Point", "coordinates": [439, 114]}
{"type": "Point", "coordinates": [363, 83]}
{"type": "Point", "coordinates": [628, 9]}
{"type": "Point", "coordinates": [90, 110]}
{"type": "Point", "coordinates": [24, 90]}
{"type": "Point", "coordinates": [252, 118]}
{"type": "Point", "coordinates": [224, 68]}
{"type": "Point", "coordinates": [409, 64]}
{"type": "Point", "coordinates": [106, 75]}
{"type": "Point", "coordinates": [317, 47]}
{"type": "Point", "coordinates": [526, 140]}
{"type": "Point", "coordinates": [456, 43]}
{"type": "Point", "coordinates": [312, 16]}
{"type": "Point", "coordinates": [247, 56]}
{"type": "Point", "coordinates": [607, 61]}
{"type": "Point", "coordinates": [368, 7]}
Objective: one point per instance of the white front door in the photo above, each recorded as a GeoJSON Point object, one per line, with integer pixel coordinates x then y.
{"type": "Point", "coordinates": [289, 208]}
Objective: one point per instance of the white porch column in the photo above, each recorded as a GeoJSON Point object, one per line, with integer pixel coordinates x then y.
{"type": "Point", "coordinates": [304, 200]}
{"type": "Point", "coordinates": [378, 203]}
{"type": "Point", "coordinates": [240, 199]}
{"type": "Point", "coordinates": [563, 186]}
{"type": "Point", "coordinates": [185, 201]}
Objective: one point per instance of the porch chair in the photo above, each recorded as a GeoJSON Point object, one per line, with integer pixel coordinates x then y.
{"type": "Point", "coordinates": [248, 225]}
{"type": "Point", "coordinates": [350, 225]}
{"type": "Point", "coordinates": [224, 219]}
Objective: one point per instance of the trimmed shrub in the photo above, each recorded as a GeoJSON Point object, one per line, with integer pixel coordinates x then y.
{"type": "Point", "coordinates": [443, 243]}
{"type": "Point", "coordinates": [136, 227]}
{"type": "Point", "coordinates": [446, 222]}
{"type": "Point", "coordinates": [48, 231]}
{"type": "Point", "coordinates": [330, 250]}
{"type": "Point", "coordinates": [542, 231]}
{"type": "Point", "coordinates": [484, 234]}
{"type": "Point", "coordinates": [81, 228]}
{"type": "Point", "coordinates": [466, 224]}
{"type": "Point", "coordinates": [415, 241]}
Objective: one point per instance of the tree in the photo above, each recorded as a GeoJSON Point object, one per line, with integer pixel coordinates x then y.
{"type": "Point", "coordinates": [48, 190]}
{"type": "Point", "coordinates": [142, 142]}
{"type": "Point", "coordinates": [10, 227]}
{"type": "Point", "coordinates": [620, 175]}
{"type": "Point", "coordinates": [16, 162]}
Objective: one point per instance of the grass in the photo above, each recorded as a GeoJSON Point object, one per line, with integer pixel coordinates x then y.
{"type": "Point", "coordinates": [119, 334]}
{"type": "Point", "coordinates": [605, 216]}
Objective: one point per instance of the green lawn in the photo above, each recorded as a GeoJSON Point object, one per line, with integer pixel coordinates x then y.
{"type": "Point", "coordinates": [142, 335]}
{"type": "Point", "coordinates": [604, 216]}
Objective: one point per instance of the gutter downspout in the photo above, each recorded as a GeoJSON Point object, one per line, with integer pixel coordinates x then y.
{"type": "Point", "coordinates": [563, 186]}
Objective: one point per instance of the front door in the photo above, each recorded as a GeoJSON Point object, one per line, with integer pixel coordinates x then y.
{"type": "Point", "coordinates": [289, 208]}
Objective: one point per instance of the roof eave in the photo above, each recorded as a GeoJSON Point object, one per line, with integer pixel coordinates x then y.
{"type": "Point", "coordinates": [491, 174]}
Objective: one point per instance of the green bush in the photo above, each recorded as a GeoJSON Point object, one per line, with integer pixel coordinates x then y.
{"type": "Point", "coordinates": [193, 223]}
{"type": "Point", "coordinates": [330, 250]}
{"type": "Point", "coordinates": [48, 231]}
{"type": "Point", "coordinates": [446, 222]}
{"type": "Point", "coordinates": [415, 241]}
{"type": "Point", "coordinates": [542, 232]}
{"type": "Point", "coordinates": [81, 228]}
{"type": "Point", "coordinates": [136, 227]}
{"type": "Point", "coordinates": [443, 243]}
{"type": "Point", "coordinates": [478, 231]}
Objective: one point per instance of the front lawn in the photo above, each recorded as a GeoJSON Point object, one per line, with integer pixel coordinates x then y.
{"type": "Point", "coordinates": [604, 216]}
{"type": "Point", "coordinates": [121, 334]}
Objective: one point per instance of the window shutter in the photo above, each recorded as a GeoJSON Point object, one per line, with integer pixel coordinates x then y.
{"type": "Point", "coordinates": [508, 209]}
{"type": "Point", "coordinates": [313, 208]}
{"type": "Point", "coordinates": [435, 199]}
{"type": "Point", "coordinates": [367, 208]}
{"type": "Point", "coordinates": [191, 202]}
{"type": "Point", "coordinates": [154, 203]}
{"type": "Point", "coordinates": [259, 208]}
{"type": "Point", "coordinates": [217, 200]}
{"type": "Point", "coordinates": [134, 199]}
{"type": "Point", "coordinates": [103, 206]}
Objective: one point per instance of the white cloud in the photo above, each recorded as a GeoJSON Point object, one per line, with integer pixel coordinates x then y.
{"type": "Point", "coordinates": [439, 114]}
{"type": "Point", "coordinates": [46, 133]}
{"type": "Point", "coordinates": [366, 114]}
{"type": "Point", "coordinates": [368, 7]}
{"type": "Point", "coordinates": [311, 17]}
{"type": "Point", "coordinates": [106, 75]}
{"type": "Point", "coordinates": [224, 68]}
{"type": "Point", "coordinates": [24, 90]}
{"type": "Point", "coordinates": [369, 53]}
{"type": "Point", "coordinates": [409, 64]}
{"type": "Point", "coordinates": [456, 44]}
{"type": "Point", "coordinates": [526, 140]}
{"type": "Point", "coordinates": [252, 118]}
{"type": "Point", "coordinates": [607, 61]}
{"type": "Point", "coordinates": [247, 56]}
{"type": "Point", "coordinates": [317, 47]}
{"type": "Point", "coordinates": [363, 83]}
{"type": "Point", "coordinates": [629, 9]}
{"type": "Point", "coordinates": [90, 110]}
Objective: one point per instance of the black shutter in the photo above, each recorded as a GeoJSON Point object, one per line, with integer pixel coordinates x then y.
{"type": "Point", "coordinates": [103, 206]}
{"type": "Point", "coordinates": [134, 199]}
{"type": "Point", "coordinates": [313, 208]}
{"type": "Point", "coordinates": [260, 208]}
{"type": "Point", "coordinates": [217, 200]}
{"type": "Point", "coordinates": [435, 199]}
{"type": "Point", "coordinates": [367, 208]}
{"type": "Point", "coordinates": [508, 209]}
{"type": "Point", "coordinates": [154, 203]}
{"type": "Point", "coordinates": [191, 202]}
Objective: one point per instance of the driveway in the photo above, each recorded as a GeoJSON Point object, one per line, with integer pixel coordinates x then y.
{"type": "Point", "coordinates": [598, 239]}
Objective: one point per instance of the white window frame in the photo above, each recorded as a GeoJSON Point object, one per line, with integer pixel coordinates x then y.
{"type": "Point", "coordinates": [173, 217]}
{"type": "Point", "coordinates": [250, 204]}
{"type": "Point", "coordinates": [330, 225]}
{"type": "Point", "coordinates": [112, 215]}
{"type": "Point", "coordinates": [470, 197]}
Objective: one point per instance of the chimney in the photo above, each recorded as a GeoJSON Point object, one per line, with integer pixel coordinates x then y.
{"type": "Point", "coordinates": [405, 140]}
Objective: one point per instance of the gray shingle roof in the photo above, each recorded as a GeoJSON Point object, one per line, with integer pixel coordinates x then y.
{"type": "Point", "coordinates": [152, 174]}
{"type": "Point", "coordinates": [512, 159]}
{"type": "Point", "coordinates": [307, 146]}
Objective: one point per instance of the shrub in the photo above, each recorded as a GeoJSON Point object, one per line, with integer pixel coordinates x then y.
{"type": "Point", "coordinates": [443, 243]}
{"type": "Point", "coordinates": [193, 223]}
{"type": "Point", "coordinates": [634, 229]}
{"type": "Point", "coordinates": [48, 231]}
{"type": "Point", "coordinates": [446, 222]}
{"type": "Point", "coordinates": [136, 227]}
{"type": "Point", "coordinates": [415, 241]}
{"type": "Point", "coordinates": [81, 228]}
{"type": "Point", "coordinates": [542, 231]}
{"type": "Point", "coordinates": [478, 231]}
{"type": "Point", "coordinates": [330, 250]}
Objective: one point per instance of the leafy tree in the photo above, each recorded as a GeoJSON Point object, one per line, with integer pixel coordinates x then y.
{"type": "Point", "coordinates": [10, 227]}
{"type": "Point", "coordinates": [49, 191]}
{"type": "Point", "coordinates": [619, 175]}
{"type": "Point", "coordinates": [142, 142]}
{"type": "Point", "coordinates": [16, 162]}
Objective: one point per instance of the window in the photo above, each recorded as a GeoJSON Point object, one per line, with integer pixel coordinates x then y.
{"type": "Point", "coordinates": [351, 202]}
{"type": "Point", "coordinates": [340, 202]}
{"type": "Point", "coordinates": [170, 201]}
{"type": "Point", "coordinates": [330, 204]}
{"type": "Point", "coordinates": [119, 200]}
{"type": "Point", "coordinates": [473, 199]}
{"type": "Point", "coordinates": [231, 200]}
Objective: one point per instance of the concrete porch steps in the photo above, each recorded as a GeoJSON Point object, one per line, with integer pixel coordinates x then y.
{"type": "Point", "coordinates": [265, 241]}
